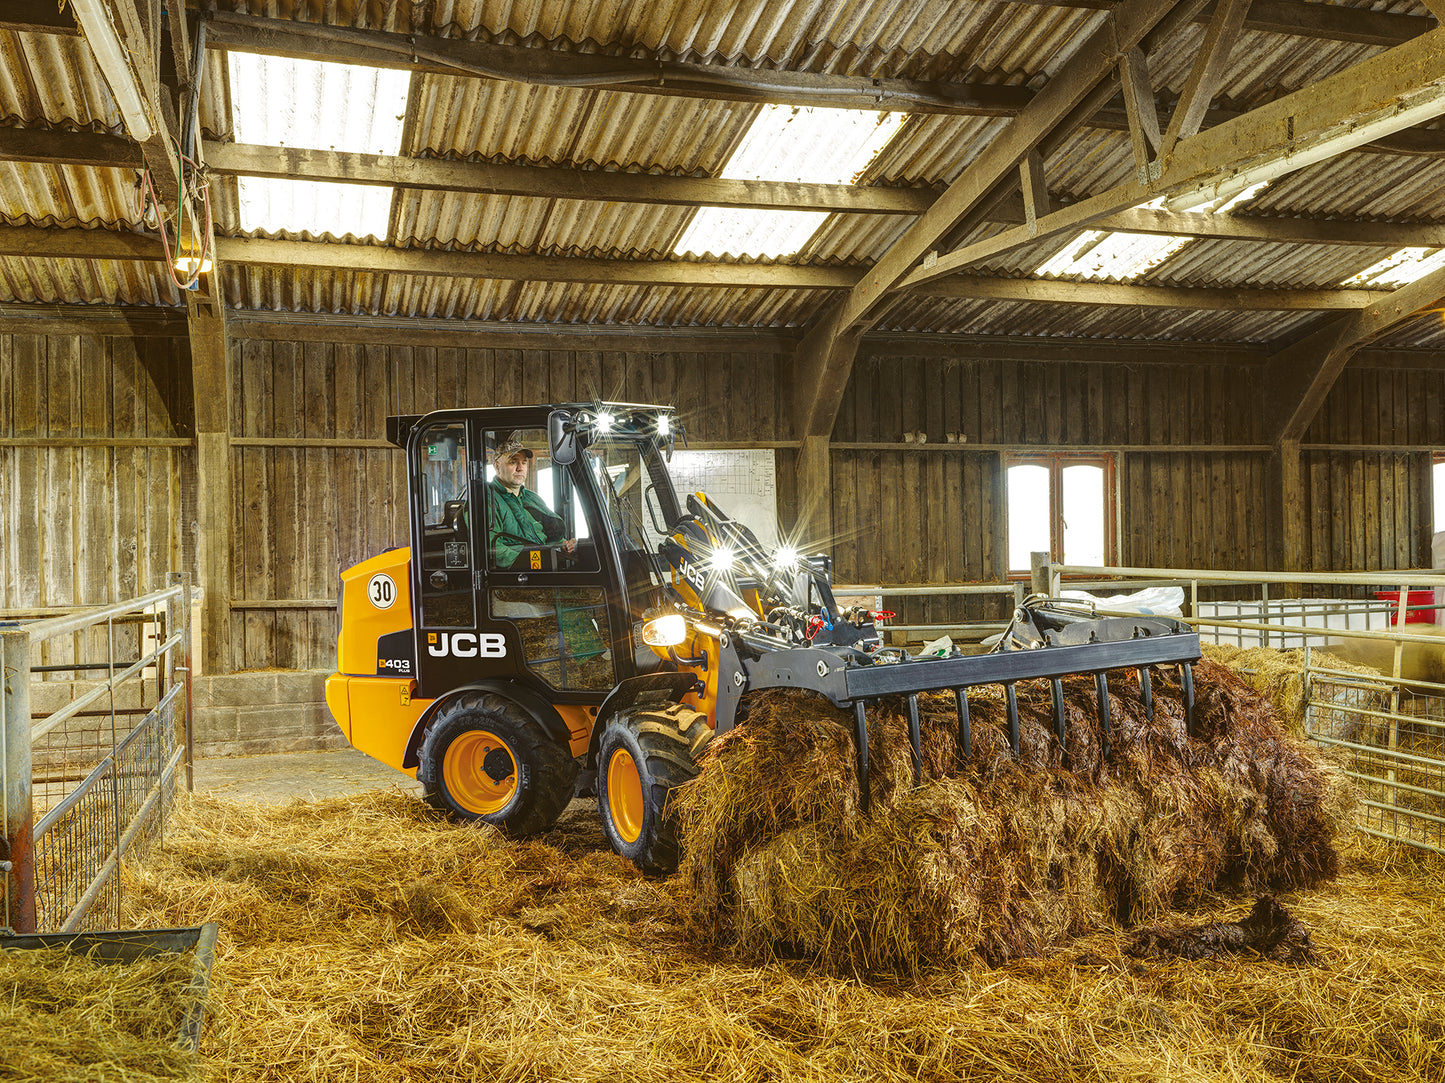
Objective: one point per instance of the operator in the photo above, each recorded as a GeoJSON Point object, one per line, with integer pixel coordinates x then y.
{"type": "Point", "coordinates": [518, 512]}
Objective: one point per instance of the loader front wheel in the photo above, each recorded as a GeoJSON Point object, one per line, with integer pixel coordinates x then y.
{"type": "Point", "coordinates": [484, 758]}
{"type": "Point", "coordinates": [643, 755]}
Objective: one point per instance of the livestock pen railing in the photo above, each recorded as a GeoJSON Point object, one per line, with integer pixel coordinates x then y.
{"type": "Point", "coordinates": [90, 762]}
{"type": "Point", "coordinates": [1372, 681]}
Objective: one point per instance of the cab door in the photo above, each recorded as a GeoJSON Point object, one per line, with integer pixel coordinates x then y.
{"type": "Point", "coordinates": [452, 648]}
{"type": "Point", "coordinates": [548, 569]}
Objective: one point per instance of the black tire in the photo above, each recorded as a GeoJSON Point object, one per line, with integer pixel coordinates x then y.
{"type": "Point", "coordinates": [642, 756]}
{"type": "Point", "coordinates": [485, 758]}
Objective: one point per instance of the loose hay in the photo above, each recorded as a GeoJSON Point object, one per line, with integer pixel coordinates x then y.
{"type": "Point", "coordinates": [616, 991]}
{"type": "Point", "coordinates": [65, 1018]}
{"type": "Point", "coordinates": [1280, 676]}
{"type": "Point", "coordinates": [998, 857]}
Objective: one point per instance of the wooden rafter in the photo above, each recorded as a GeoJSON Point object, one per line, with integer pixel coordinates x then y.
{"type": "Point", "coordinates": [1385, 93]}
{"type": "Point", "coordinates": [127, 50]}
{"type": "Point", "coordinates": [1302, 373]}
{"type": "Point", "coordinates": [106, 245]}
{"type": "Point", "coordinates": [1204, 76]}
{"type": "Point", "coordinates": [44, 146]}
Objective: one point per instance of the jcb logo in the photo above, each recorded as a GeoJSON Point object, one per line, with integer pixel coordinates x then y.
{"type": "Point", "coordinates": [466, 645]}
{"type": "Point", "coordinates": [692, 573]}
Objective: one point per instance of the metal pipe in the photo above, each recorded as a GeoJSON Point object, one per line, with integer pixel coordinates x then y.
{"type": "Point", "coordinates": [76, 622]}
{"type": "Point", "coordinates": [74, 707]}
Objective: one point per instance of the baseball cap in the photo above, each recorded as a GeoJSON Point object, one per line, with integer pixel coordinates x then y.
{"type": "Point", "coordinates": [505, 449]}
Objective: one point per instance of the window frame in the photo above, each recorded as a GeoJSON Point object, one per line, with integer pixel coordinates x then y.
{"type": "Point", "coordinates": [1055, 462]}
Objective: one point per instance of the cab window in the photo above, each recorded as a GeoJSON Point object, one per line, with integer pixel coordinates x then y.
{"type": "Point", "coordinates": [447, 597]}
{"type": "Point", "coordinates": [536, 521]}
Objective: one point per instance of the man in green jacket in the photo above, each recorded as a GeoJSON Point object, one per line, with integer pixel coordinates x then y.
{"type": "Point", "coordinates": [518, 512]}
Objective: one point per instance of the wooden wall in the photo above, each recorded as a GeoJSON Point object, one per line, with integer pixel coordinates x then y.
{"type": "Point", "coordinates": [1193, 483]}
{"type": "Point", "coordinates": [97, 466]}
{"type": "Point", "coordinates": [317, 488]}
{"type": "Point", "coordinates": [92, 470]}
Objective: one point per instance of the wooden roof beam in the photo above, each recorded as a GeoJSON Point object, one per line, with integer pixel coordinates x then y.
{"type": "Point", "coordinates": [1380, 95]}
{"type": "Point", "coordinates": [527, 64]}
{"type": "Point", "coordinates": [44, 146]}
{"type": "Point", "coordinates": [1301, 374]}
{"type": "Point", "coordinates": [126, 47]}
{"type": "Point", "coordinates": [36, 242]}
{"type": "Point", "coordinates": [554, 182]}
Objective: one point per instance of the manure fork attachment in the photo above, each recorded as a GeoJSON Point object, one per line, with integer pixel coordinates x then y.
{"type": "Point", "coordinates": [1047, 639]}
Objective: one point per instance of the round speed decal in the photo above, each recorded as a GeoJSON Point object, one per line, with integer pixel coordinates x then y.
{"type": "Point", "coordinates": [381, 590]}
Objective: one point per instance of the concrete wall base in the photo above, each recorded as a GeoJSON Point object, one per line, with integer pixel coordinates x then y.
{"type": "Point", "coordinates": [236, 714]}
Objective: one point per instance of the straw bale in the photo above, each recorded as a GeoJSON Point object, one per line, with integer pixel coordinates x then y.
{"type": "Point", "coordinates": [619, 990]}
{"type": "Point", "coordinates": [997, 857]}
{"type": "Point", "coordinates": [65, 1018]}
{"type": "Point", "coordinates": [1279, 675]}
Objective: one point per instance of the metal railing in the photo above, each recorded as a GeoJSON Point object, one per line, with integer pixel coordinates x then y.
{"type": "Point", "coordinates": [1386, 728]}
{"type": "Point", "coordinates": [99, 769]}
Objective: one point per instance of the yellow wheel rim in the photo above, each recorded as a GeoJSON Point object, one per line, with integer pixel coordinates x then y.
{"type": "Point", "coordinates": [467, 780]}
{"type": "Point", "coordinates": [624, 795]}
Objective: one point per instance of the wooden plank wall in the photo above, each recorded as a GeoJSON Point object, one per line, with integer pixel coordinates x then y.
{"type": "Point", "coordinates": [95, 468]}
{"type": "Point", "coordinates": [91, 471]}
{"type": "Point", "coordinates": [1193, 482]}
{"type": "Point", "coordinates": [314, 495]}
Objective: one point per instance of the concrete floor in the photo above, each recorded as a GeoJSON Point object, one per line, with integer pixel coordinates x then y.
{"type": "Point", "coordinates": [289, 775]}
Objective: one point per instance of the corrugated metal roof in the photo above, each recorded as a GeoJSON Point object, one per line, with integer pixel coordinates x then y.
{"type": "Point", "coordinates": [51, 80]}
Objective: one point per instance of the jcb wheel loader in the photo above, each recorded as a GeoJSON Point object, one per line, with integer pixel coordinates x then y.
{"type": "Point", "coordinates": [561, 625]}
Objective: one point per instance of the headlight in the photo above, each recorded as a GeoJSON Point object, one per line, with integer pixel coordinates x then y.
{"type": "Point", "coordinates": [664, 424]}
{"type": "Point", "coordinates": [721, 559]}
{"type": "Point", "coordinates": [786, 557]}
{"type": "Point", "coordinates": [668, 630]}
{"type": "Point", "coordinates": [605, 422]}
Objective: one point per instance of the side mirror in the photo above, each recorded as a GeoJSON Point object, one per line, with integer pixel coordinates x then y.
{"type": "Point", "coordinates": [562, 436]}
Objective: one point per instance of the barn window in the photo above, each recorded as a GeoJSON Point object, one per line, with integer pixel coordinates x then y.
{"type": "Point", "coordinates": [1062, 505]}
{"type": "Point", "coordinates": [1437, 475]}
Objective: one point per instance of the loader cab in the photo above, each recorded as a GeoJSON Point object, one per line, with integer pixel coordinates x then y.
{"type": "Point", "coordinates": [531, 566]}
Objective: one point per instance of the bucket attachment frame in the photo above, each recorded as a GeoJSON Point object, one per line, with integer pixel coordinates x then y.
{"type": "Point", "coordinates": [1047, 640]}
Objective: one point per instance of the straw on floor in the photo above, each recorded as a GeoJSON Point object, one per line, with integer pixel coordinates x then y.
{"type": "Point", "coordinates": [370, 939]}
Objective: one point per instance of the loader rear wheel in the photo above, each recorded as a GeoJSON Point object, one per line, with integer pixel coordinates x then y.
{"type": "Point", "coordinates": [486, 759]}
{"type": "Point", "coordinates": [643, 755]}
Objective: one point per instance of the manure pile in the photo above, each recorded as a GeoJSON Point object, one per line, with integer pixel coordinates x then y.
{"type": "Point", "coordinates": [996, 857]}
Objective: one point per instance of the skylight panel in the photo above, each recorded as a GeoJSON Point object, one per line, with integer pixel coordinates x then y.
{"type": "Point", "coordinates": [1100, 254]}
{"type": "Point", "coordinates": [1400, 269]}
{"type": "Point", "coordinates": [810, 146]}
{"type": "Point", "coordinates": [282, 102]}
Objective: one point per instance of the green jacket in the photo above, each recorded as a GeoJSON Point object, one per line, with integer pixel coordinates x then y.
{"type": "Point", "coordinates": [524, 515]}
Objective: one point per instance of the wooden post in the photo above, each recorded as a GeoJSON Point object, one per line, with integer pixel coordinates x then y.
{"type": "Point", "coordinates": [211, 386]}
{"type": "Point", "coordinates": [17, 859]}
{"type": "Point", "coordinates": [813, 500]}
{"type": "Point", "coordinates": [1287, 507]}
{"type": "Point", "coordinates": [1039, 577]}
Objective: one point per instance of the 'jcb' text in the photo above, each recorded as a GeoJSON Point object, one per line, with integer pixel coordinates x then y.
{"type": "Point", "coordinates": [466, 645]}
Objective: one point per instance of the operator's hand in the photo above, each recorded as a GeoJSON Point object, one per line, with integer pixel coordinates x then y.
{"type": "Point", "coordinates": [569, 545]}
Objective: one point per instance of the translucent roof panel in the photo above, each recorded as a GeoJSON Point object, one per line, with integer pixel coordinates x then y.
{"type": "Point", "coordinates": [1400, 268]}
{"type": "Point", "coordinates": [787, 143]}
{"type": "Point", "coordinates": [282, 102]}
